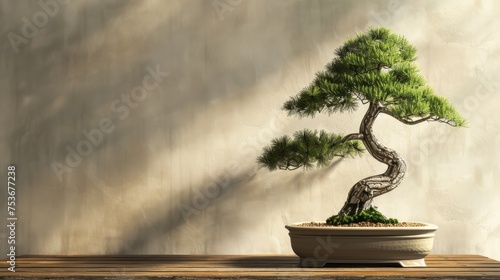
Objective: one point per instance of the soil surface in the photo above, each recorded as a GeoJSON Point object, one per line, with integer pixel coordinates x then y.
{"type": "Point", "coordinates": [363, 224]}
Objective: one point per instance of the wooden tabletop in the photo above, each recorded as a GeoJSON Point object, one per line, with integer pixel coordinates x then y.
{"type": "Point", "coordinates": [232, 266]}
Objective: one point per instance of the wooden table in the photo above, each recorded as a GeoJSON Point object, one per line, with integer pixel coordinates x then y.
{"type": "Point", "coordinates": [232, 266]}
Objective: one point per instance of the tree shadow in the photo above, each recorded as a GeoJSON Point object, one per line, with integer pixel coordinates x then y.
{"type": "Point", "coordinates": [65, 80]}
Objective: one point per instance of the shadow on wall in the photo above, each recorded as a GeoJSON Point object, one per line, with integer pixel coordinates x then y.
{"type": "Point", "coordinates": [192, 210]}
{"type": "Point", "coordinates": [80, 72]}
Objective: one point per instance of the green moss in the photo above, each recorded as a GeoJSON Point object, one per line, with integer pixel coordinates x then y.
{"type": "Point", "coordinates": [369, 215]}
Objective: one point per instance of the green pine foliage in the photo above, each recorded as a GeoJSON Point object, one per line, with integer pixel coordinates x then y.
{"type": "Point", "coordinates": [306, 149]}
{"type": "Point", "coordinates": [376, 67]}
{"type": "Point", "coordinates": [369, 215]}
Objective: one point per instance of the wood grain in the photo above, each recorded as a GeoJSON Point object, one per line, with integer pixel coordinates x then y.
{"type": "Point", "coordinates": [232, 266]}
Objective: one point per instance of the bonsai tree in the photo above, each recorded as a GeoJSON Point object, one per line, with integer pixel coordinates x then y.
{"type": "Point", "coordinates": [376, 68]}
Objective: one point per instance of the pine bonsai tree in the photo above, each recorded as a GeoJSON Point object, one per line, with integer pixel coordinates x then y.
{"type": "Point", "coordinates": [376, 68]}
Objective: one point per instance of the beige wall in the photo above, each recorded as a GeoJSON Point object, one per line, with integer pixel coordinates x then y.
{"type": "Point", "coordinates": [174, 171]}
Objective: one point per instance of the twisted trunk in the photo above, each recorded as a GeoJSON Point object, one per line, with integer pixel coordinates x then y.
{"type": "Point", "coordinates": [362, 193]}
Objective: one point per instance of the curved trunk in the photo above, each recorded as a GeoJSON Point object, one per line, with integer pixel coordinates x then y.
{"type": "Point", "coordinates": [361, 194]}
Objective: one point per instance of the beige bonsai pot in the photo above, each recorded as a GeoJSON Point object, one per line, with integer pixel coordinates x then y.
{"type": "Point", "coordinates": [406, 246]}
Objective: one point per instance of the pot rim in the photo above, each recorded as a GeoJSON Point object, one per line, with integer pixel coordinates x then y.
{"type": "Point", "coordinates": [427, 226]}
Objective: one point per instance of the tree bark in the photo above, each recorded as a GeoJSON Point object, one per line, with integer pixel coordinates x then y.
{"type": "Point", "coordinates": [362, 193]}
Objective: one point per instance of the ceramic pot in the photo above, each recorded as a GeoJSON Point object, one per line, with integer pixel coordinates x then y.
{"type": "Point", "coordinates": [406, 246]}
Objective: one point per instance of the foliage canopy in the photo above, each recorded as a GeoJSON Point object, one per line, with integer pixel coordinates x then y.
{"type": "Point", "coordinates": [374, 67]}
{"type": "Point", "coordinates": [377, 68]}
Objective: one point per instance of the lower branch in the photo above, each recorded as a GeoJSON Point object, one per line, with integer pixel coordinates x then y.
{"type": "Point", "coordinates": [352, 136]}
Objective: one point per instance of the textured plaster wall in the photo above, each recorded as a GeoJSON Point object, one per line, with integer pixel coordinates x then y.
{"type": "Point", "coordinates": [174, 171]}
